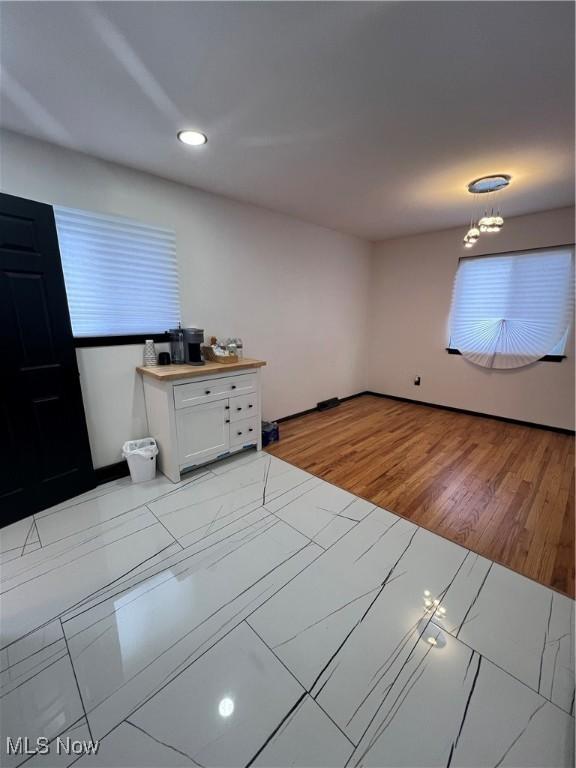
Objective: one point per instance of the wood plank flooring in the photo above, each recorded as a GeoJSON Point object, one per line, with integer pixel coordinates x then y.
{"type": "Point", "coordinates": [502, 490]}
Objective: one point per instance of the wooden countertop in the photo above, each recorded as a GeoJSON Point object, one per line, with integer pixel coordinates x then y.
{"type": "Point", "coordinates": [171, 372]}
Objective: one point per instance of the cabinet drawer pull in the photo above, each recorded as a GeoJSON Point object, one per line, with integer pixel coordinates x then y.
{"type": "Point", "coordinates": [239, 408]}
{"type": "Point", "coordinates": [250, 429]}
{"type": "Point", "coordinates": [239, 433]}
{"type": "Point", "coordinates": [226, 407]}
{"type": "Point", "coordinates": [207, 392]}
{"type": "Point", "coordinates": [233, 386]}
{"type": "Point", "coordinates": [250, 406]}
{"type": "Point", "coordinates": [227, 421]}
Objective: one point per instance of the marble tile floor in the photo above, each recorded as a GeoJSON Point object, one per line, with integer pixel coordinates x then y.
{"type": "Point", "coordinates": [255, 615]}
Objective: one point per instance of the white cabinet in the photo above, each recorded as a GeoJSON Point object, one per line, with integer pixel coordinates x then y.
{"type": "Point", "coordinates": [202, 419]}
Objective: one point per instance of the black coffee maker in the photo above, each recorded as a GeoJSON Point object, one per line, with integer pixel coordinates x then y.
{"type": "Point", "coordinates": [193, 340]}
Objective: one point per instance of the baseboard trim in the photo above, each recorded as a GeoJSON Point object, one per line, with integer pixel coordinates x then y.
{"type": "Point", "coordinates": [352, 397]}
{"type": "Point", "coordinates": [111, 472]}
{"type": "Point", "coordinates": [519, 422]}
{"type": "Point", "coordinates": [315, 410]}
{"type": "Point", "coordinates": [296, 415]}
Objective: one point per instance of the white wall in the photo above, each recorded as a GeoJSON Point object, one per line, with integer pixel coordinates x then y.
{"type": "Point", "coordinates": [411, 288]}
{"type": "Point", "coordinates": [302, 297]}
{"type": "Point", "coordinates": [295, 292]}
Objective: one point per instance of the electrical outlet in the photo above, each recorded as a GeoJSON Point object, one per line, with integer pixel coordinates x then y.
{"type": "Point", "coordinates": [416, 381]}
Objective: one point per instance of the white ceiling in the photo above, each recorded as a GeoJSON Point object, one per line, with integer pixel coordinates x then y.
{"type": "Point", "coordinates": [365, 117]}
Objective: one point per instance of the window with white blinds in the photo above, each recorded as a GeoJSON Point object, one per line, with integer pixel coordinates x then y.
{"type": "Point", "coordinates": [121, 276]}
{"type": "Point", "coordinates": [513, 309]}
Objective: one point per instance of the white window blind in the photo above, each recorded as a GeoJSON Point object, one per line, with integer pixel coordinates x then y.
{"type": "Point", "coordinates": [510, 310]}
{"type": "Point", "coordinates": [121, 276]}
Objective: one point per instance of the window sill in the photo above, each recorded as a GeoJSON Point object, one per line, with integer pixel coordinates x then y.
{"type": "Point", "coordinates": [116, 341]}
{"type": "Point", "coordinates": [545, 359]}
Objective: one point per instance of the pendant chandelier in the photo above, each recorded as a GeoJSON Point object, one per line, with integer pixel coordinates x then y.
{"type": "Point", "coordinates": [486, 217]}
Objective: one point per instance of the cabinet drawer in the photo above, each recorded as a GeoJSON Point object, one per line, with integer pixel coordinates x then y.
{"type": "Point", "coordinates": [208, 390]}
{"type": "Point", "coordinates": [244, 432]}
{"type": "Point", "coordinates": [243, 407]}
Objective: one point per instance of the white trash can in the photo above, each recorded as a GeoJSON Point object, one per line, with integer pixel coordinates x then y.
{"type": "Point", "coordinates": [141, 457]}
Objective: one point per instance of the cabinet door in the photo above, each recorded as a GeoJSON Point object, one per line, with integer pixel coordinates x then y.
{"type": "Point", "coordinates": [203, 432]}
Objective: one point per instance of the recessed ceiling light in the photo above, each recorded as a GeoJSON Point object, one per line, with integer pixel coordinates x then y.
{"type": "Point", "coordinates": [193, 138]}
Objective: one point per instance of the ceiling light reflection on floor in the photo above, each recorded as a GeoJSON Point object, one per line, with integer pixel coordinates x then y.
{"type": "Point", "coordinates": [432, 621]}
{"type": "Point", "coordinates": [434, 636]}
{"type": "Point", "coordinates": [226, 707]}
{"type": "Point", "coordinates": [433, 604]}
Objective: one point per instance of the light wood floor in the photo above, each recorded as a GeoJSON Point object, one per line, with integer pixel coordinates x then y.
{"type": "Point", "coordinates": [502, 490]}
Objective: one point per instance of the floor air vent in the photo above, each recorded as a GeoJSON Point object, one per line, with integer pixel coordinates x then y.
{"type": "Point", "coordinates": [326, 404]}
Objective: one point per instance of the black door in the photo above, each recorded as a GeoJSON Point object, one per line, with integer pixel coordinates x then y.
{"type": "Point", "coordinates": [44, 451]}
